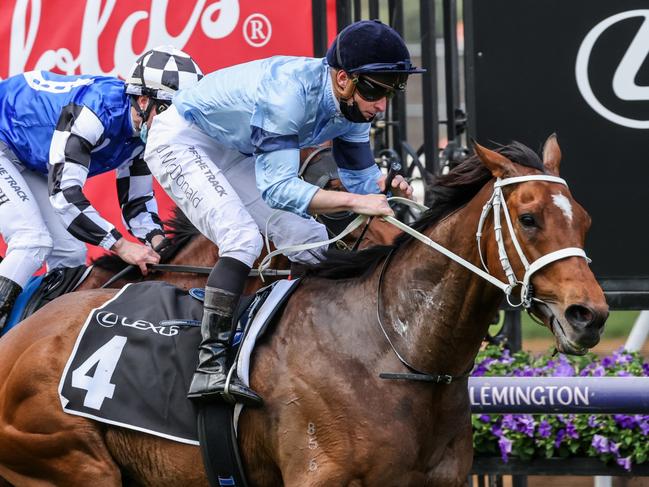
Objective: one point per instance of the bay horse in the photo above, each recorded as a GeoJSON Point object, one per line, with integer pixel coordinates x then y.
{"type": "Point", "coordinates": [329, 419]}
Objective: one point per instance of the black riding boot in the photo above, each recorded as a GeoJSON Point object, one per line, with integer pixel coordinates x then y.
{"type": "Point", "coordinates": [9, 291]}
{"type": "Point", "coordinates": [210, 378]}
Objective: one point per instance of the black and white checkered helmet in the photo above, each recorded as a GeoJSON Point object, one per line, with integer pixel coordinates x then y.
{"type": "Point", "coordinates": [162, 71]}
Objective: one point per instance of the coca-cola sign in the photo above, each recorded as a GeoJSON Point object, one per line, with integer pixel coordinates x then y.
{"type": "Point", "coordinates": [106, 36]}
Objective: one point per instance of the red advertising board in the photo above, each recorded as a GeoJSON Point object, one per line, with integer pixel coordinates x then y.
{"type": "Point", "coordinates": [106, 36]}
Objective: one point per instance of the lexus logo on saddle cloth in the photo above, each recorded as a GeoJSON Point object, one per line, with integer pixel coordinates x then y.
{"type": "Point", "coordinates": [612, 68]}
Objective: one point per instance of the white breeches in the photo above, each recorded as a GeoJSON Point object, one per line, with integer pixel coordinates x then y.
{"type": "Point", "coordinates": [30, 227]}
{"type": "Point", "coordinates": [215, 187]}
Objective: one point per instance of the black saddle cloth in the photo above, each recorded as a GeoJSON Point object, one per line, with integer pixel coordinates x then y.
{"type": "Point", "coordinates": [134, 360]}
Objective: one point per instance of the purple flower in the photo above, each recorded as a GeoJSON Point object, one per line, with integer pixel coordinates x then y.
{"type": "Point", "coordinates": [625, 463]}
{"type": "Point", "coordinates": [623, 373]}
{"type": "Point", "coordinates": [509, 422]}
{"type": "Point", "coordinates": [526, 424]}
{"type": "Point", "coordinates": [505, 445]}
{"type": "Point", "coordinates": [622, 356]}
{"type": "Point", "coordinates": [608, 361]}
{"type": "Point", "coordinates": [592, 421]}
{"type": "Point", "coordinates": [600, 444]}
{"type": "Point", "coordinates": [586, 371]}
{"type": "Point", "coordinates": [564, 370]}
{"type": "Point", "coordinates": [544, 429]}
{"type": "Point", "coordinates": [625, 421]}
{"type": "Point", "coordinates": [482, 367]}
{"type": "Point", "coordinates": [613, 447]}
{"type": "Point", "coordinates": [599, 371]}
{"type": "Point", "coordinates": [560, 434]}
{"type": "Point", "coordinates": [571, 431]}
{"type": "Point", "coordinates": [479, 371]}
{"type": "Point", "coordinates": [524, 372]}
{"type": "Point", "coordinates": [485, 418]}
{"type": "Point", "coordinates": [645, 368]}
{"type": "Point", "coordinates": [644, 427]}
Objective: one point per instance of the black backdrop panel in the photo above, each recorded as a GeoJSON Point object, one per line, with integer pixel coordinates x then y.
{"type": "Point", "coordinates": [521, 64]}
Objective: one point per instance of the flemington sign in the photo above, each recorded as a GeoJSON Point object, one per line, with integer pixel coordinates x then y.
{"type": "Point", "coordinates": [559, 395]}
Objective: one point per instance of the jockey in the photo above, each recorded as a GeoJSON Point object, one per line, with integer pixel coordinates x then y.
{"type": "Point", "coordinates": [228, 152]}
{"type": "Point", "coordinates": [55, 132]}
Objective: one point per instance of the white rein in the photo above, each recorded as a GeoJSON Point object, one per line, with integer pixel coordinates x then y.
{"type": "Point", "coordinates": [496, 202]}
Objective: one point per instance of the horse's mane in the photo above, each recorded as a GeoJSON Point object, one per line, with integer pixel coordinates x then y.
{"type": "Point", "coordinates": [448, 193]}
{"type": "Point", "coordinates": [179, 231]}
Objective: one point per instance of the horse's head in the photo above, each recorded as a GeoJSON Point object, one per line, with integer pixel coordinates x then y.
{"type": "Point", "coordinates": [550, 228]}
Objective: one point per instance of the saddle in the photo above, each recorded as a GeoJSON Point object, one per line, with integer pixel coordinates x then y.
{"type": "Point", "coordinates": [40, 290]}
{"type": "Point", "coordinates": [146, 339]}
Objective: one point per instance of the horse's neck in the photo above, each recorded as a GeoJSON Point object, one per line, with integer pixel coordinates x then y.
{"type": "Point", "coordinates": [200, 251]}
{"type": "Point", "coordinates": [438, 310]}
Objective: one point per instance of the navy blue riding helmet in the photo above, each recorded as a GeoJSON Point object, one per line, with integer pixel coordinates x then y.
{"type": "Point", "coordinates": [376, 50]}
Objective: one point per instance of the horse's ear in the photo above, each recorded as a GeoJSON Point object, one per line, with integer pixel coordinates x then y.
{"type": "Point", "coordinates": [552, 155]}
{"type": "Point", "coordinates": [498, 164]}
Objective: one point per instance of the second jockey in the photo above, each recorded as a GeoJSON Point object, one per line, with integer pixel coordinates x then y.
{"type": "Point", "coordinates": [55, 132]}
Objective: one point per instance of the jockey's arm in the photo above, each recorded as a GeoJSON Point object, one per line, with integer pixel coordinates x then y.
{"type": "Point", "coordinates": [277, 179]}
{"type": "Point", "coordinates": [137, 201]}
{"type": "Point", "coordinates": [358, 170]}
{"type": "Point", "coordinates": [79, 130]}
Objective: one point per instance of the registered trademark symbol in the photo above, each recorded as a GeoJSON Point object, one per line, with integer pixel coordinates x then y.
{"type": "Point", "coordinates": [257, 30]}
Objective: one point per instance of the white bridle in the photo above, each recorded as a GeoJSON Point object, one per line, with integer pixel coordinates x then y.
{"type": "Point", "coordinates": [498, 201]}
{"type": "Point", "coordinates": [495, 202]}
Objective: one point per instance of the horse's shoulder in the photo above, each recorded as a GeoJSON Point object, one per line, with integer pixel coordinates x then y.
{"type": "Point", "coordinates": [83, 299]}
{"type": "Point", "coordinates": [92, 293]}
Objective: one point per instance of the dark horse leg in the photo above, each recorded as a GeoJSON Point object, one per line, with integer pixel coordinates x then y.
{"type": "Point", "coordinates": [40, 445]}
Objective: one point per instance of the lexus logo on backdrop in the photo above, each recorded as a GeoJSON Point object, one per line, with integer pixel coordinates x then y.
{"type": "Point", "coordinates": [622, 100]}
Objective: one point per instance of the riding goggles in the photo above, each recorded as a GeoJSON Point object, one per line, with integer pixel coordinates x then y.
{"type": "Point", "coordinates": [372, 90]}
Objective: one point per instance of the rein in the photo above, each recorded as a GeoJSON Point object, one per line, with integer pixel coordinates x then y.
{"type": "Point", "coordinates": [495, 202]}
{"type": "Point", "coordinates": [193, 270]}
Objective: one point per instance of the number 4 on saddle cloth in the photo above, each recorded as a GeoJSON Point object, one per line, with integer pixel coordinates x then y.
{"type": "Point", "coordinates": [135, 356]}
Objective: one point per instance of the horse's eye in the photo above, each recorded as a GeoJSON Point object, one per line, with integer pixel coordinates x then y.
{"type": "Point", "coordinates": [527, 220]}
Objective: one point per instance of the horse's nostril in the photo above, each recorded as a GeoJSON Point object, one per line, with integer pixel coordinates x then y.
{"type": "Point", "coordinates": [580, 315]}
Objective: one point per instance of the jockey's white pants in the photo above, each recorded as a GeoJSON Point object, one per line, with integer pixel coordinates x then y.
{"type": "Point", "coordinates": [33, 232]}
{"type": "Point", "coordinates": [216, 189]}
